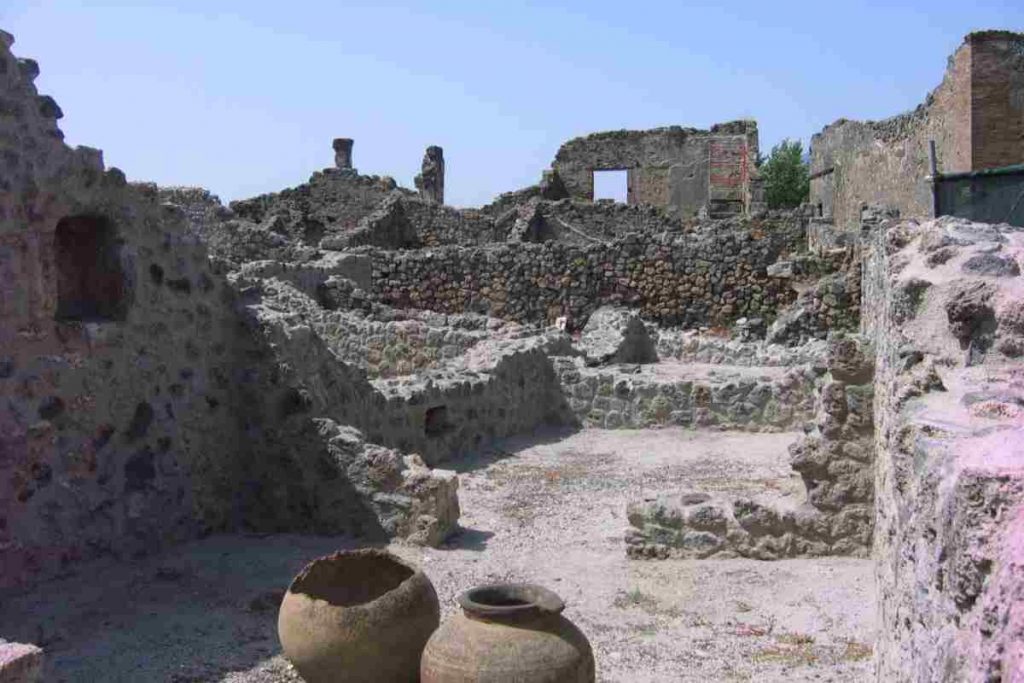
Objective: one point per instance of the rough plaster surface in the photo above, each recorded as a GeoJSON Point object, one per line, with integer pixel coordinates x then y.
{"type": "Point", "coordinates": [974, 116]}
{"type": "Point", "coordinates": [949, 480]}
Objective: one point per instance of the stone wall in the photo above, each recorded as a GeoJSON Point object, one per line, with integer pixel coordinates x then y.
{"type": "Point", "coordinates": [834, 459]}
{"type": "Point", "coordinates": [691, 346]}
{"type": "Point", "coordinates": [886, 162]}
{"type": "Point", "coordinates": [997, 99]}
{"type": "Point", "coordinates": [974, 116]}
{"type": "Point", "coordinates": [694, 279]}
{"type": "Point", "coordinates": [684, 169]}
{"type": "Point", "coordinates": [141, 399]}
{"type": "Point", "coordinates": [411, 342]}
{"type": "Point", "coordinates": [499, 387]}
{"type": "Point", "coordinates": [942, 301]}
{"type": "Point", "coordinates": [720, 397]}
{"type": "Point", "coordinates": [98, 381]}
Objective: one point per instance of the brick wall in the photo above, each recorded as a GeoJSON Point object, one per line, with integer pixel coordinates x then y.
{"type": "Point", "coordinates": [997, 99]}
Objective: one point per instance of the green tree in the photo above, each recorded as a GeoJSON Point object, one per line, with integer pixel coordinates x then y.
{"type": "Point", "coordinates": [786, 176]}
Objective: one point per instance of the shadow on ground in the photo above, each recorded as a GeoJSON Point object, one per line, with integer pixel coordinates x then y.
{"type": "Point", "coordinates": [505, 448]}
{"type": "Point", "coordinates": [193, 613]}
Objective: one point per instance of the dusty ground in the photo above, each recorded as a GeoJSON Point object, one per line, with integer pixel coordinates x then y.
{"type": "Point", "coordinates": [551, 511]}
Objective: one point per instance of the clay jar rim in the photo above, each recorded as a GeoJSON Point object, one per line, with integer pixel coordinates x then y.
{"type": "Point", "coordinates": [508, 601]}
{"type": "Point", "coordinates": [295, 587]}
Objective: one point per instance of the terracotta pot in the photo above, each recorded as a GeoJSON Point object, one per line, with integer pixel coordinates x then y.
{"type": "Point", "coordinates": [361, 615]}
{"type": "Point", "coordinates": [508, 633]}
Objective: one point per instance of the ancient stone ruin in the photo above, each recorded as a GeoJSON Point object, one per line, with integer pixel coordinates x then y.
{"type": "Point", "coordinates": [332, 360]}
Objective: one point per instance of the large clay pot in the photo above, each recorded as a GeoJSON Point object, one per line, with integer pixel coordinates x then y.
{"type": "Point", "coordinates": [361, 615]}
{"type": "Point", "coordinates": [508, 633]}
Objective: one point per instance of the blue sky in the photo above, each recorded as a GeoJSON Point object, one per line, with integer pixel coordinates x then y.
{"type": "Point", "coordinates": [245, 97]}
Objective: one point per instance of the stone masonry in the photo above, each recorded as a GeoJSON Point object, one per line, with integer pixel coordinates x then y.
{"type": "Point", "coordinates": [146, 398]}
{"type": "Point", "coordinates": [430, 181]}
{"type": "Point", "coordinates": [975, 117]}
{"type": "Point", "coordinates": [942, 302]}
{"type": "Point", "coordinates": [685, 170]}
{"type": "Point", "coordinates": [835, 460]}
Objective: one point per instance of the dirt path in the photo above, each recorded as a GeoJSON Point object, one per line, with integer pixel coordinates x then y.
{"type": "Point", "coordinates": [551, 511]}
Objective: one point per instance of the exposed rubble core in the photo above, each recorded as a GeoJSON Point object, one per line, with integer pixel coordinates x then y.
{"type": "Point", "coordinates": [838, 381]}
{"type": "Point", "coordinates": [949, 480]}
{"type": "Point", "coordinates": [430, 181]}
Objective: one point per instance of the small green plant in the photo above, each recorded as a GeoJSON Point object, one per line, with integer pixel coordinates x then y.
{"type": "Point", "coordinates": [635, 598]}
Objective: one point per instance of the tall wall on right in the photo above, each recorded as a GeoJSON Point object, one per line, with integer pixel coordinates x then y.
{"type": "Point", "coordinates": [997, 99]}
{"type": "Point", "coordinates": [942, 302]}
{"type": "Point", "coordinates": [975, 116]}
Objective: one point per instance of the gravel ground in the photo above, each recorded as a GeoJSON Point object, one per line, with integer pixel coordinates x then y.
{"type": "Point", "coordinates": [549, 510]}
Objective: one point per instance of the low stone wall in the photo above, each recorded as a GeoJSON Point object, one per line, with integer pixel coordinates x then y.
{"type": "Point", "coordinates": [690, 346]}
{"type": "Point", "coordinates": [945, 312]}
{"type": "Point", "coordinates": [691, 280]}
{"type": "Point", "coordinates": [829, 305]}
{"type": "Point", "coordinates": [498, 388]}
{"type": "Point", "coordinates": [644, 396]}
{"type": "Point", "coordinates": [834, 459]}
{"type": "Point", "coordinates": [400, 347]}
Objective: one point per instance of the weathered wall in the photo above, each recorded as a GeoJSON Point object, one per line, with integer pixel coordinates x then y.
{"type": "Point", "coordinates": [997, 99]}
{"type": "Point", "coordinates": [684, 169]}
{"type": "Point", "coordinates": [499, 388]}
{"type": "Point", "coordinates": [975, 116]}
{"type": "Point", "coordinates": [725, 399]}
{"type": "Point", "coordinates": [834, 459]}
{"type": "Point", "coordinates": [694, 279]}
{"type": "Point", "coordinates": [142, 400]}
{"type": "Point", "coordinates": [942, 301]}
{"type": "Point", "coordinates": [95, 454]}
{"type": "Point", "coordinates": [886, 162]}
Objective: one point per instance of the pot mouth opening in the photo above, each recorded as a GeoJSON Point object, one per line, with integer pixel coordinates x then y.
{"type": "Point", "coordinates": [350, 578]}
{"type": "Point", "coordinates": [509, 600]}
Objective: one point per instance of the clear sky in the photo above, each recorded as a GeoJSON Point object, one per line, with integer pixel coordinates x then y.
{"type": "Point", "coordinates": [245, 97]}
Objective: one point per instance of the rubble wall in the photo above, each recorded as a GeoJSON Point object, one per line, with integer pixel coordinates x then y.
{"type": "Point", "coordinates": [613, 398]}
{"type": "Point", "coordinates": [499, 387]}
{"type": "Point", "coordinates": [691, 280]}
{"type": "Point", "coordinates": [114, 402]}
{"type": "Point", "coordinates": [834, 458]}
{"type": "Point", "coordinates": [142, 399]}
{"type": "Point", "coordinates": [942, 302]}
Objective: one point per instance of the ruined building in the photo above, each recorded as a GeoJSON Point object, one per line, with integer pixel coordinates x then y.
{"type": "Point", "coordinates": [975, 118]}
{"type": "Point", "coordinates": [687, 171]}
{"type": "Point", "coordinates": [308, 360]}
